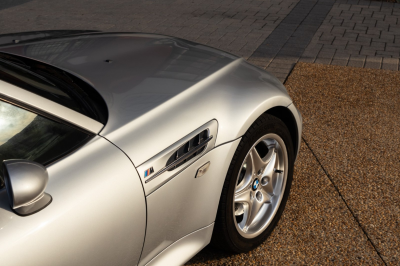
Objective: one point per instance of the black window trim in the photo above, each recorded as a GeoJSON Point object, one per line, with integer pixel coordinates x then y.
{"type": "Point", "coordinates": [101, 117]}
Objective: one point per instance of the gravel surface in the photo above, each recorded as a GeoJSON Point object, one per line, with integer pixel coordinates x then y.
{"type": "Point", "coordinates": [351, 122]}
{"type": "Point", "coordinates": [316, 228]}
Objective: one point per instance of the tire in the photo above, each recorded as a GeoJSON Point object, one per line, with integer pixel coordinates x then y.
{"type": "Point", "coordinates": [237, 229]}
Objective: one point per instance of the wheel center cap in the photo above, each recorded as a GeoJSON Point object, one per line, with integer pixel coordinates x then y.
{"type": "Point", "coordinates": [255, 184]}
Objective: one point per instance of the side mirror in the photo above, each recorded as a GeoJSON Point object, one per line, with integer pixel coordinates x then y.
{"type": "Point", "coordinates": [25, 184]}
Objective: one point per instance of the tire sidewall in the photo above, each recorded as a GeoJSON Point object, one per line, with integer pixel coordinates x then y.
{"type": "Point", "coordinates": [276, 126]}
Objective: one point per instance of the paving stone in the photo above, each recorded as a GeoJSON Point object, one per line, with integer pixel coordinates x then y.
{"type": "Point", "coordinates": [390, 48]}
{"type": "Point", "coordinates": [378, 45]}
{"type": "Point", "coordinates": [283, 67]}
{"type": "Point", "coordinates": [339, 62]}
{"type": "Point", "coordinates": [350, 35]}
{"type": "Point", "coordinates": [373, 31]}
{"type": "Point", "coordinates": [373, 62]}
{"type": "Point", "coordinates": [355, 9]}
{"type": "Point", "coordinates": [384, 25]}
{"type": "Point", "coordinates": [387, 54]}
{"type": "Point", "coordinates": [348, 24]}
{"type": "Point", "coordinates": [353, 47]}
{"type": "Point", "coordinates": [366, 11]}
{"type": "Point", "coordinates": [326, 53]}
{"type": "Point", "coordinates": [364, 40]}
{"type": "Point", "coordinates": [369, 22]}
{"type": "Point", "coordinates": [378, 16]}
{"type": "Point", "coordinates": [357, 60]}
{"type": "Point", "coordinates": [336, 21]}
{"type": "Point", "coordinates": [338, 29]}
{"type": "Point", "coordinates": [387, 36]}
{"type": "Point", "coordinates": [366, 50]}
{"type": "Point", "coordinates": [321, 60]}
{"type": "Point", "coordinates": [361, 28]}
{"type": "Point", "coordinates": [340, 42]}
{"type": "Point", "coordinates": [342, 55]}
{"type": "Point", "coordinates": [390, 63]}
{"type": "Point", "coordinates": [358, 19]}
{"type": "Point", "coordinates": [306, 59]}
{"type": "Point", "coordinates": [395, 30]}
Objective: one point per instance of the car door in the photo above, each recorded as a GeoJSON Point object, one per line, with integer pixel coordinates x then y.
{"type": "Point", "coordinates": [97, 215]}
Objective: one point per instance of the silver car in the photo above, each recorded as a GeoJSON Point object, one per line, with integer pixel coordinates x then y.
{"type": "Point", "coordinates": [126, 148]}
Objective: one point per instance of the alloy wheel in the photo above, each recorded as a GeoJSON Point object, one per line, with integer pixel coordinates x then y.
{"type": "Point", "coordinates": [260, 185]}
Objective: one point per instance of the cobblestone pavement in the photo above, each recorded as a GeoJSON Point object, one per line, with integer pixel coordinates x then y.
{"type": "Point", "coordinates": [360, 34]}
{"type": "Point", "coordinates": [236, 26]}
{"type": "Point", "coordinates": [273, 34]}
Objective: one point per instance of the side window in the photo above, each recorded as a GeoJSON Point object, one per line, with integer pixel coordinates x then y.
{"type": "Point", "coordinates": [26, 135]}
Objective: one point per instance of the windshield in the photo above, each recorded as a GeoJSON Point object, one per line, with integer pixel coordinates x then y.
{"type": "Point", "coordinates": [53, 84]}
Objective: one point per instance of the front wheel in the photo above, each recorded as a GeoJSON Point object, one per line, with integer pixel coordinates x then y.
{"type": "Point", "coordinates": [256, 187]}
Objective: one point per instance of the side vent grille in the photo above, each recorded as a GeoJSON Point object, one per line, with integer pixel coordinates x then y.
{"type": "Point", "coordinates": [187, 148]}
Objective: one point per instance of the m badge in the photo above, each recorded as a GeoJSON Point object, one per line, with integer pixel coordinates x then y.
{"type": "Point", "coordinates": [148, 172]}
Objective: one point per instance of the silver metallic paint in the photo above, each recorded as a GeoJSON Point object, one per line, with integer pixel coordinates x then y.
{"type": "Point", "coordinates": [97, 216]}
{"type": "Point", "coordinates": [186, 204]}
{"type": "Point", "coordinates": [28, 36]}
{"type": "Point", "coordinates": [27, 181]}
{"type": "Point", "coordinates": [158, 88]}
{"type": "Point", "coordinates": [47, 106]}
{"type": "Point", "coordinates": [184, 249]}
{"type": "Point", "coordinates": [299, 121]}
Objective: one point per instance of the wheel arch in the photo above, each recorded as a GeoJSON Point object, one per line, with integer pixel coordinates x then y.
{"type": "Point", "coordinates": [284, 114]}
{"type": "Point", "coordinates": [282, 108]}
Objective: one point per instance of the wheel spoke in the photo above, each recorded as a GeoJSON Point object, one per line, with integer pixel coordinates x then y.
{"type": "Point", "coordinates": [243, 196]}
{"type": "Point", "coordinates": [253, 210]}
{"type": "Point", "coordinates": [258, 163]}
{"type": "Point", "coordinates": [270, 169]}
{"type": "Point", "coordinates": [260, 185]}
{"type": "Point", "coordinates": [271, 152]}
{"type": "Point", "coordinates": [268, 188]}
{"type": "Point", "coordinates": [247, 169]}
{"type": "Point", "coordinates": [266, 196]}
{"type": "Point", "coordinates": [268, 178]}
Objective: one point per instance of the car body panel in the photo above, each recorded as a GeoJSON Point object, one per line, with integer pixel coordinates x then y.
{"type": "Point", "coordinates": [29, 36]}
{"type": "Point", "coordinates": [156, 81]}
{"type": "Point", "coordinates": [159, 90]}
{"type": "Point", "coordinates": [184, 249]}
{"type": "Point", "coordinates": [299, 122]}
{"type": "Point", "coordinates": [186, 204]}
{"type": "Point", "coordinates": [97, 216]}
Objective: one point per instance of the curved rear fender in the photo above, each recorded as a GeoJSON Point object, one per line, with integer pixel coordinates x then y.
{"type": "Point", "coordinates": [253, 92]}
